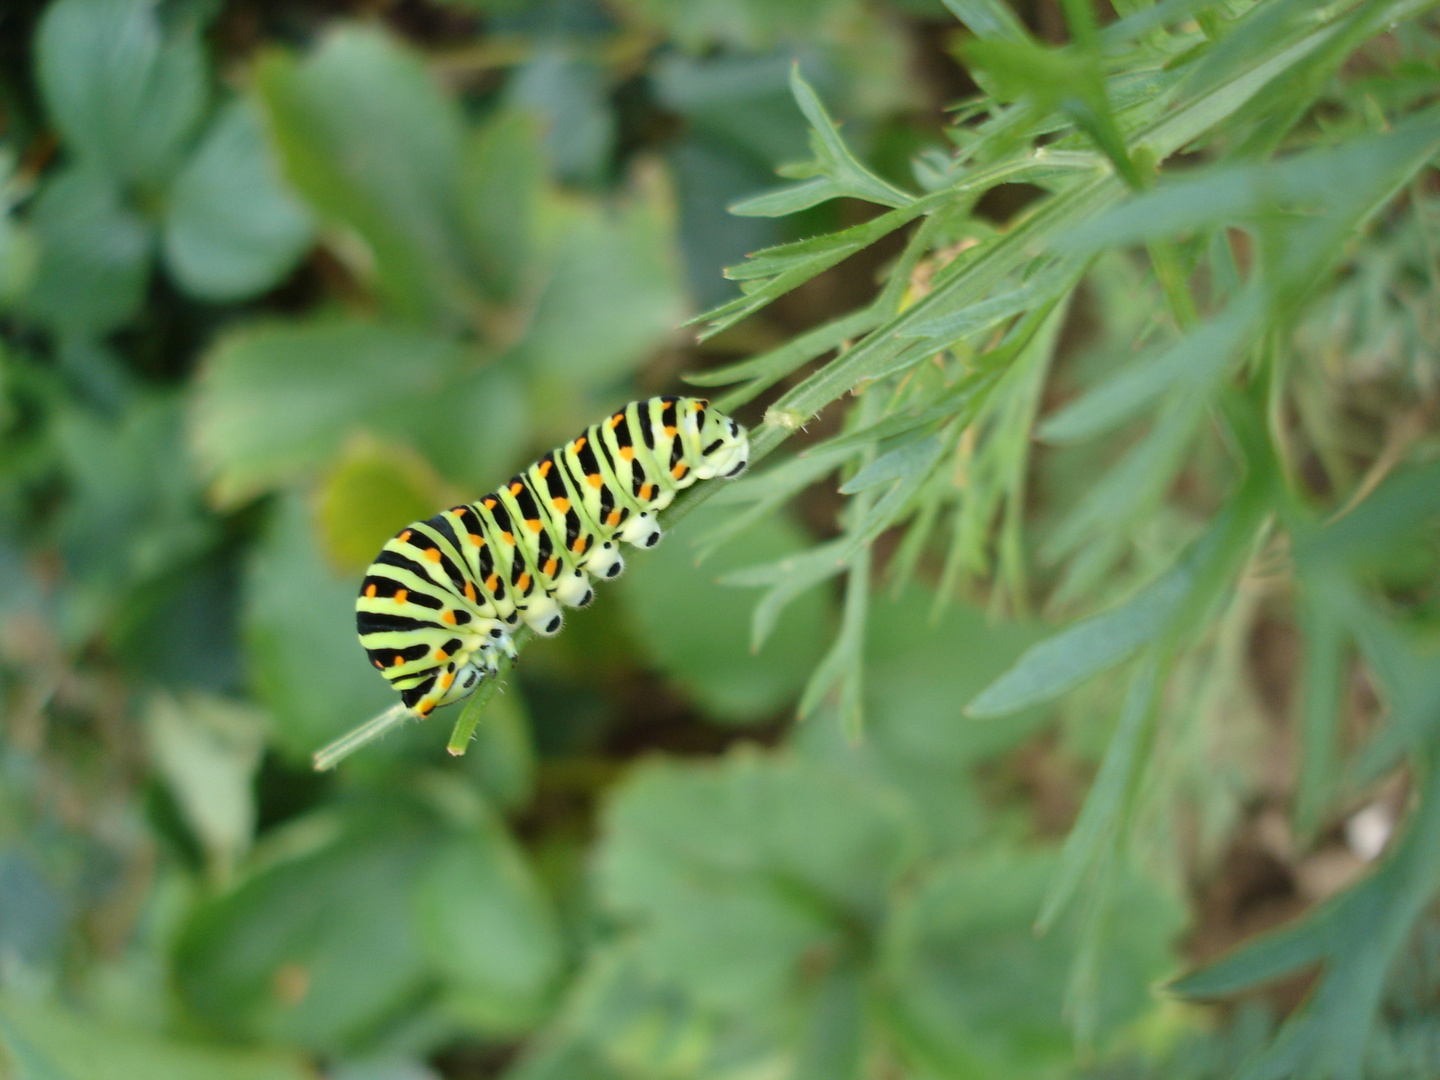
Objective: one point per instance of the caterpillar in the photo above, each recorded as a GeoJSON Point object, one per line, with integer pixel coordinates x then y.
{"type": "Point", "coordinates": [438, 606]}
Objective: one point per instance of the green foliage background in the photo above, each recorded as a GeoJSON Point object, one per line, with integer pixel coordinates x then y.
{"type": "Point", "coordinates": [1091, 356]}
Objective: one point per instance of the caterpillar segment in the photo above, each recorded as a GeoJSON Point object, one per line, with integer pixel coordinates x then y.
{"type": "Point", "coordinates": [438, 607]}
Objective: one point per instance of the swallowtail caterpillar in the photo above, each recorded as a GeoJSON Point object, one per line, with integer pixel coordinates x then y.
{"type": "Point", "coordinates": [439, 604]}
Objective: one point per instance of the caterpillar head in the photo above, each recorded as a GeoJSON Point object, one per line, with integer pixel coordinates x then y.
{"type": "Point", "coordinates": [721, 447]}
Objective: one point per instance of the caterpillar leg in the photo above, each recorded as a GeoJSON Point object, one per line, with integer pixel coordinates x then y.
{"type": "Point", "coordinates": [642, 530]}
{"type": "Point", "coordinates": [573, 589]}
{"type": "Point", "coordinates": [542, 614]}
{"type": "Point", "coordinates": [605, 561]}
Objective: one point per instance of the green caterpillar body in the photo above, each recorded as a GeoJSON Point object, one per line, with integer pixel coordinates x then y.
{"type": "Point", "coordinates": [438, 606]}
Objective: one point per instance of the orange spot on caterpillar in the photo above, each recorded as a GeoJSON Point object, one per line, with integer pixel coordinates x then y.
{"type": "Point", "coordinates": [698, 406]}
{"type": "Point", "coordinates": [545, 467]}
{"type": "Point", "coordinates": [404, 537]}
{"type": "Point", "coordinates": [470, 591]}
{"type": "Point", "coordinates": [509, 538]}
{"type": "Point", "coordinates": [670, 431]}
{"type": "Point", "coordinates": [424, 707]}
{"type": "Point", "coordinates": [379, 665]}
{"type": "Point", "coordinates": [680, 470]}
{"type": "Point", "coordinates": [446, 680]}
{"type": "Point", "coordinates": [627, 453]}
{"type": "Point", "coordinates": [433, 554]}
{"type": "Point", "coordinates": [524, 583]}
{"type": "Point", "coordinates": [595, 480]}
{"type": "Point", "coordinates": [579, 444]}
{"type": "Point", "coordinates": [551, 565]}
{"type": "Point", "coordinates": [477, 539]}
{"type": "Point", "coordinates": [370, 590]}
{"type": "Point", "coordinates": [645, 490]}
{"type": "Point", "coordinates": [441, 655]}
{"type": "Point", "coordinates": [613, 519]}
{"type": "Point", "coordinates": [401, 595]}
{"type": "Point", "coordinates": [533, 524]}
{"type": "Point", "coordinates": [492, 582]}
{"type": "Point", "coordinates": [516, 488]}
{"type": "Point", "coordinates": [562, 504]}
{"type": "Point", "coordinates": [447, 617]}
{"type": "Point", "coordinates": [579, 545]}
{"type": "Point", "coordinates": [489, 504]}
{"type": "Point", "coordinates": [397, 661]}
{"type": "Point", "coordinates": [615, 420]}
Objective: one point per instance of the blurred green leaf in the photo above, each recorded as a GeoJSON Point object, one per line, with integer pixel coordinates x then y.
{"type": "Point", "coordinates": [316, 950]}
{"type": "Point", "coordinates": [1070, 80]}
{"type": "Point", "coordinates": [369, 140]}
{"type": "Point", "coordinates": [749, 24]}
{"type": "Point", "coordinates": [1358, 934]}
{"type": "Point", "coordinates": [208, 749]}
{"type": "Point", "coordinates": [276, 401]}
{"type": "Point", "coordinates": [502, 174]}
{"type": "Point", "coordinates": [124, 81]}
{"type": "Point", "coordinates": [1101, 824]}
{"type": "Point", "coordinates": [988, 19]}
{"type": "Point", "coordinates": [735, 874]}
{"type": "Point", "coordinates": [973, 992]}
{"type": "Point", "coordinates": [834, 173]}
{"type": "Point", "coordinates": [785, 579]}
{"type": "Point", "coordinates": [502, 756]}
{"type": "Point", "coordinates": [306, 664]}
{"type": "Point", "coordinates": [489, 928]}
{"type": "Point", "coordinates": [373, 492]}
{"type": "Point", "coordinates": [1067, 659]}
{"type": "Point", "coordinates": [711, 657]}
{"type": "Point", "coordinates": [93, 256]}
{"type": "Point", "coordinates": [613, 294]}
{"type": "Point", "coordinates": [232, 229]}
{"type": "Point", "coordinates": [1361, 173]}
{"type": "Point", "coordinates": [47, 1043]}
{"type": "Point", "coordinates": [568, 94]}
{"type": "Point", "coordinates": [1193, 364]}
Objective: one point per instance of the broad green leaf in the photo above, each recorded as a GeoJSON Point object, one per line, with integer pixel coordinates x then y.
{"type": "Point", "coordinates": [743, 25]}
{"type": "Point", "coordinates": [567, 92]}
{"type": "Point", "coordinates": [645, 1027]}
{"type": "Point", "coordinates": [972, 991]}
{"type": "Point", "coordinates": [125, 83]}
{"type": "Point", "coordinates": [44, 1042]}
{"type": "Point", "coordinates": [613, 294]}
{"type": "Point", "coordinates": [232, 228]}
{"type": "Point", "coordinates": [733, 873]}
{"type": "Point", "coordinates": [92, 256]}
{"type": "Point", "coordinates": [710, 657]}
{"type": "Point", "coordinates": [372, 144]}
{"type": "Point", "coordinates": [502, 176]}
{"type": "Point", "coordinates": [317, 950]}
{"type": "Point", "coordinates": [208, 749]}
{"type": "Point", "coordinates": [275, 401]}
{"type": "Point", "coordinates": [488, 927]}
{"type": "Point", "coordinates": [306, 664]}
{"type": "Point", "coordinates": [373, 492]}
